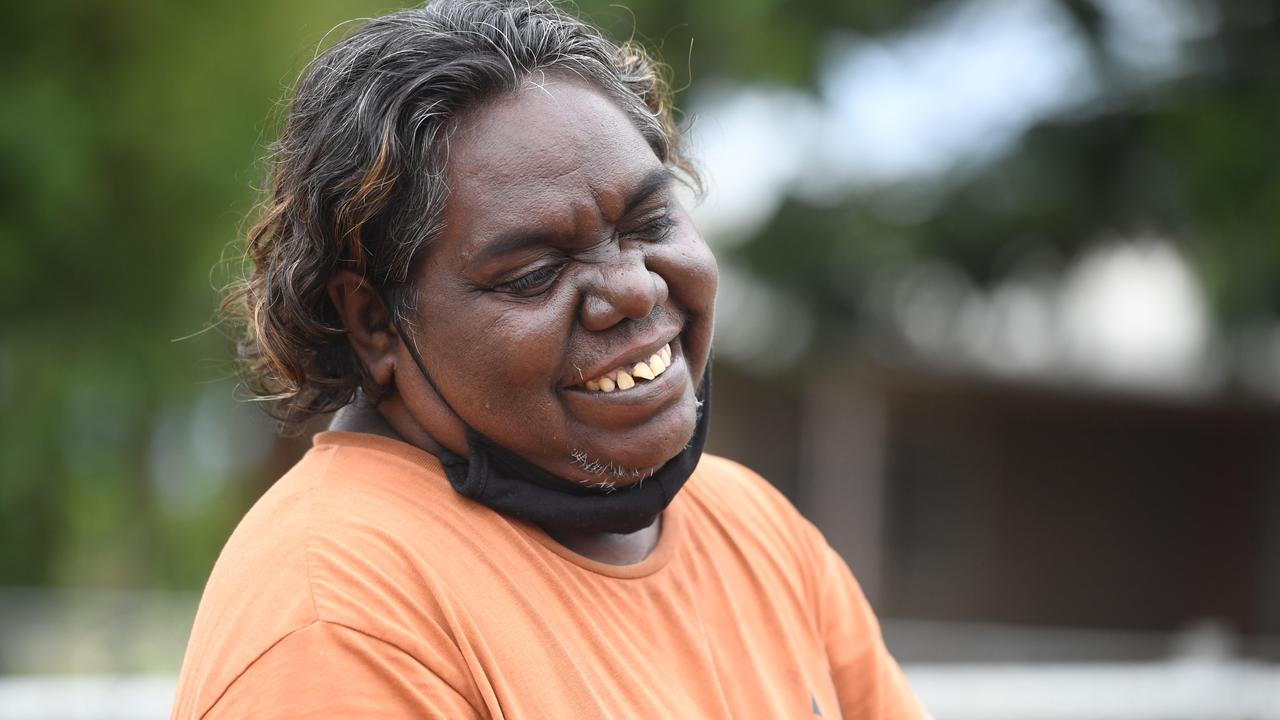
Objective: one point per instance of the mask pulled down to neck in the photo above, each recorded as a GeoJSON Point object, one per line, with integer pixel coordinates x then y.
{"type": "Point", "coordinates": [499, 479]}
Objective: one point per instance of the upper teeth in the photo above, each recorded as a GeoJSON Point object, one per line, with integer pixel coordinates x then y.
{"type": "Point", "coordinates": [624, 378]}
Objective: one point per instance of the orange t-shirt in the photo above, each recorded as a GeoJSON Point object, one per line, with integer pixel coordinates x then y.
{"type": "Point", "coordinates": [362, 585]}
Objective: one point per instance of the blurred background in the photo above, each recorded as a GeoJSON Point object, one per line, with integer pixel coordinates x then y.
{"type": "Point", "coordinates": [1000, 311]}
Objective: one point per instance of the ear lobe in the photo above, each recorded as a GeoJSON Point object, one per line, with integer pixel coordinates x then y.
{"type": "Point", "coordinates": [367, 322]}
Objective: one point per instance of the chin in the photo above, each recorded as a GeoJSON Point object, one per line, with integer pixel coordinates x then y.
{"type": "Point", "coordinates": [606, 474]}
{"type": "Point", "coordinates": [650, 449]}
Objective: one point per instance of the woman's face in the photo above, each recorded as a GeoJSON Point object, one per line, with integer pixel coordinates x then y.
{"type": "Point", "coordinates": [566, 260]}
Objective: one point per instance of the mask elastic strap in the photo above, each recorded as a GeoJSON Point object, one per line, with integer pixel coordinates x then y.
{"type": "Point", "coordinates": [411, 345]}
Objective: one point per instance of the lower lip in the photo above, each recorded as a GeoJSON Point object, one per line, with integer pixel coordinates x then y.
{"type": "Point", "coordinates": [628, 407]}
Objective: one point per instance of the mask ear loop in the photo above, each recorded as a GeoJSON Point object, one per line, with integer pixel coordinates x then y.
{"type": "Point", "coordinates": [411, 344]}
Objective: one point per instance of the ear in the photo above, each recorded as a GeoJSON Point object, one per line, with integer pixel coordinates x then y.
{"type": "Point", "coordinates": [367, 322]}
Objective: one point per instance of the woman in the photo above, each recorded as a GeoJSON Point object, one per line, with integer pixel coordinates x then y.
{"type": "Point", "coordinates": [473, 253]}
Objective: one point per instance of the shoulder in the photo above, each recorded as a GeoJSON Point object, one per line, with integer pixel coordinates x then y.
{"type": "Point", "coordinates": [343, 540]}
{"type": "Point", "coordinates": [725, 487]}
{"type": "Point", "coordinates": [352, 524]}
{"type": "Point", "coordinates": [735, 504]}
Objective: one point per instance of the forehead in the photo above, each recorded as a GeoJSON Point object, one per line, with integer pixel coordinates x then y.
{"type": "Point", "coordinates": [556, 151]}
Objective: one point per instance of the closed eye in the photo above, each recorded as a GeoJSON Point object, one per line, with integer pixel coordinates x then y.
{"type": "Point", "coordinates": [654, 230]}
{"type": "Point", "coordinates": [532, 283]}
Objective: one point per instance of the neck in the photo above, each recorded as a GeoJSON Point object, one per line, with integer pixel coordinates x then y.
{"type": "Point", "coordinates": [361, 417]}
{"type": "Point", "coordinates": [612, 548]}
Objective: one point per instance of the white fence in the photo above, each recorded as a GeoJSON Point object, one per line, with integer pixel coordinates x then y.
{"type": "Point", "coordinates": [106, 655]}
{"type": "Point", "coordinates": [1177, 690]}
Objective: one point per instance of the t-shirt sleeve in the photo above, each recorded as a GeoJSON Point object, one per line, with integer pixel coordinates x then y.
{"type": "Point", "coordinates": [324, 670]}
{"type": "Point", "coordinates": [868, 680]}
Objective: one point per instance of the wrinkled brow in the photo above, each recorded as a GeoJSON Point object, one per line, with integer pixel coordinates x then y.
{"type": "Point", "coordinates": [519, 239]}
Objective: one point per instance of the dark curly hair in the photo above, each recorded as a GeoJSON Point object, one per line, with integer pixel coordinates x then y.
{"type": "Point", "coordinates": [357, 177]}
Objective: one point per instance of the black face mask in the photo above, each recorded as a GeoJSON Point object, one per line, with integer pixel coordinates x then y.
{"type": "Point", "coordinates": [498, 478]}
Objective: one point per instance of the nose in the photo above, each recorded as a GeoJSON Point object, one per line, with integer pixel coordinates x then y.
{"type": "Point", "coordinates": [623, 289]}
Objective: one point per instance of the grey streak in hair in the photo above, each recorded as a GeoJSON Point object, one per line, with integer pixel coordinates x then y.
{"type": "Point", "coordinates": [358, 171]}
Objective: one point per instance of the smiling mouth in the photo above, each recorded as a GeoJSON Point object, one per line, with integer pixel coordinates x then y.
{"type": "Point", "coordinates": [629, 376]}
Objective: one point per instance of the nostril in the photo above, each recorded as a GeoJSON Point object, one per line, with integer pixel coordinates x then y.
{"type": "Point", "coordinates": [660, 289]}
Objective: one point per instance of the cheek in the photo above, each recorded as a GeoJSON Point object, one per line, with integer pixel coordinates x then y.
{"type": "Point", "coordinates": [689, 267]}
{"type": "Point", "coordinates": [690, 270]}
{"type": "Point", "coordinates": [708, 273]}
{"type": "Point", "coordinates": [491, 349]}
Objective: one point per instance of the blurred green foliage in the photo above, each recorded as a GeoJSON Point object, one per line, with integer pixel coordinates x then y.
{"type": "Point", "coordinates": [130, 141]}
{"type": "Point", "coordinates": [129, 136]}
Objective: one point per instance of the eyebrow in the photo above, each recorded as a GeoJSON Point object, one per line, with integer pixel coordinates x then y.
{"type": "Point", "coordinates": [655, 180]}
{"type": "Point", "coordinates": [507, 242]}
